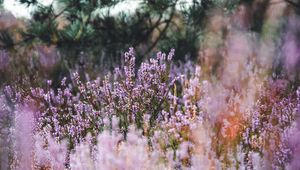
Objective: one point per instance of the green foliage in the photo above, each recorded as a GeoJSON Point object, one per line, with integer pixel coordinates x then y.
{"type": "Point", "coordinates": [1, 4]}
{"type": "Point", "coordinates": [91, 27]}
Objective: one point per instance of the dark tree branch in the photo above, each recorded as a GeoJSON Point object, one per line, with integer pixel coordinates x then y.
{"type": "Point", "coordinates": [162, 33]}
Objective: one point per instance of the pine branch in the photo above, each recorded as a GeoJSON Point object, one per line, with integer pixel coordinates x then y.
{"type": "Point", "coordinates": [162, 33]}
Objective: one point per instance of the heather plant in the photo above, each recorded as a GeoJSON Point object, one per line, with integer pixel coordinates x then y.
{"type": "Point", "coordinates": [74, 110]}
{"type": "Point", "coordinates": [48, 152]}
{"type": "Point", "coordinates": [159, 115]}
{"type": "Point", "coordinates": [137, 98]}
{"type": "Point", "coordinates": [146, 98]}
{"type": "Point", "coordinates": [17, 127]}
{"type": "Point", "coordinates": [270, 121]}
{"type": "Point", "coordinates": [6, 122]}
{"type": "Point", "coordinates": [293, 138]}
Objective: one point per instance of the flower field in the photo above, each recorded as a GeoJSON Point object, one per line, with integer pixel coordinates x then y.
{"type": "Point", "coordinates": [155, 116]}
{"type": "Point", "coordinates": [70, 100]}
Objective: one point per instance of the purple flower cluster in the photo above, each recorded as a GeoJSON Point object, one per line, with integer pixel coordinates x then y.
{"type": "Point", "coordinates": [74, 110]}
{"type": "Point", "coordinates": [269, 124]}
